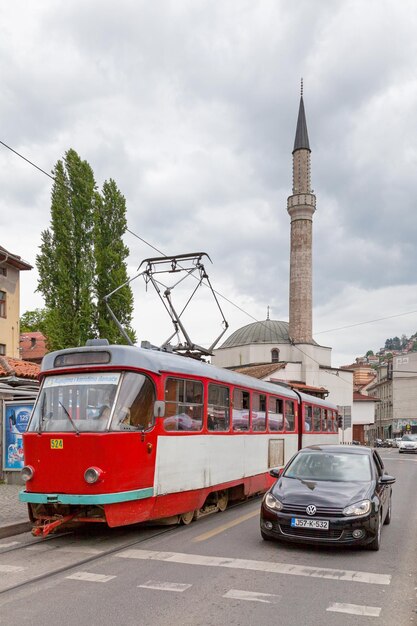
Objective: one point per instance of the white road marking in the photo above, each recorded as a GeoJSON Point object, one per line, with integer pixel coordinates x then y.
{"type": "Point", "coordinates": [252, 596]}
{"type": "Point", "coordinates": [354, 609]}
{"type": "Point", "coordinates": [94, 578]}
{"type": "Point", "coordinates": [154, 584]}
{"type": "Point", "coordinates": [11, 568]}
{"type": "Point", "coordinates": [261, 566]}
{"type": "Point", "coordinates": [8, 545]}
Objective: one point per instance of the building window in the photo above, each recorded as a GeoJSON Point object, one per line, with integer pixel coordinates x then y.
{"type": "Point", "coordinates": [3, 271]}
{"type": "Point", "coordinates": [2, 304]}
{"type": "Point", "coordinates": [2, 349]}
{"type": "Point", "coordinates": [275, 355]}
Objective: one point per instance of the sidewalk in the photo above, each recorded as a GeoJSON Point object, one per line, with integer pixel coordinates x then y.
{"type": "Point", "coordinates": [13, 514]}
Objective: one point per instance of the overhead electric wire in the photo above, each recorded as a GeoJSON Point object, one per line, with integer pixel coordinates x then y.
{"type": "Point", "coordinates": [217, 292]}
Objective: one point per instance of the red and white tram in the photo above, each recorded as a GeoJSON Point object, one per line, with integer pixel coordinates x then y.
{"type": "Point", "coordinates": [121, 434]}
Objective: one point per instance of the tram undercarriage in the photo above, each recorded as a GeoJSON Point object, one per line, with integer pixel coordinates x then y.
{"type": "Point", "coordinates": [49, 517]}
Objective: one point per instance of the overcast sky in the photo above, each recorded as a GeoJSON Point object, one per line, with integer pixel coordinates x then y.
{"type": "Point", "coordinates": [191, 107]}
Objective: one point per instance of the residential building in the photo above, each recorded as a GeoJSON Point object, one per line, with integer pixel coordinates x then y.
{"type": "Point", "coordinates": [396, 390]}
{"type": "Point", "coordinates": [10, 267]}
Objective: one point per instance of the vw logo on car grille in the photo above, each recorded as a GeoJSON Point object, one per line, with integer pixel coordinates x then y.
{"type": "Point", "coordinates": [311, 509]}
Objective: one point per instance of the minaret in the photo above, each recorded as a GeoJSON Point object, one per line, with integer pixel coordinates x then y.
{"type": "Point", "coordinates": [301, 206]}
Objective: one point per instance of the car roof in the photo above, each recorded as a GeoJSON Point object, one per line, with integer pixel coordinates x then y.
{"type": "Point", "coordinates": [345, 449]}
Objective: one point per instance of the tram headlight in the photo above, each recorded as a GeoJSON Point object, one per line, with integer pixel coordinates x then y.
{"type": "Point", "coordinates": [92, 475]}
{"type": "Point", "coordinates": [27, 473]}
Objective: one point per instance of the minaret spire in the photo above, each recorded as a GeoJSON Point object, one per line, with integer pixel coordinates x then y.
{"type": "Point", "coordinates": [301, 206]}
{"type": "Point", "coordinates": [301, 135]}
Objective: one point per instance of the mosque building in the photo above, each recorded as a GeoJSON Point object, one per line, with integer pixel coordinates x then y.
{"type": "Point", "coordinates": [280, 351]}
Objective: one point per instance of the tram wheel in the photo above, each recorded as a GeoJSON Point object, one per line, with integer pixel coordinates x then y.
{"type": "Point", "coordinates": [187, 518]}
{"type": "Point", "coordinates": [222, 500]}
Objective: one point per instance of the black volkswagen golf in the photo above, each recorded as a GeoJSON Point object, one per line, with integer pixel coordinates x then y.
{"type": "Point", "coordinates": [329, 494]}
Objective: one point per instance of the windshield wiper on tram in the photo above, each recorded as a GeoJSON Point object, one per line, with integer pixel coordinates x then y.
{"type": "Point", "coordinates": [69, 417]}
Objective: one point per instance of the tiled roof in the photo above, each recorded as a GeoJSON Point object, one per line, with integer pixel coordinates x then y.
{"type": "Point", "coordinates": [13, 259]}
{"type": "Point", "coordinates": [359, 397]}
{"type": "Point", "coordinates": [307, 388]}
{"type": "Point", "coordinates": [259, 371]}
{"type": "Point", "coordinates": [32, 346]}
{"type": "Point", "coordinates": [18, 368]}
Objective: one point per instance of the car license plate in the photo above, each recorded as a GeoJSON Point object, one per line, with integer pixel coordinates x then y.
{"type": "Point", "coordinates": [57, 444]}
{"type": "Point", "coordinates": [309, 523]}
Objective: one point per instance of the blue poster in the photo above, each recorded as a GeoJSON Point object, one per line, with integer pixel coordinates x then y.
{"type": "Point", "coordinates": [16, 419]}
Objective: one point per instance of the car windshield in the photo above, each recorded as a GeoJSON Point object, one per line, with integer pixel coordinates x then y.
{"type": "Point", "coordinates": [409, 438]}
{"type": "Point", "coordinates": [331, 466]}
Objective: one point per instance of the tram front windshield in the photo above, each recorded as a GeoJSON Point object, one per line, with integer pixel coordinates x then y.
{"type": "Point", "coordinates": [94, 402]}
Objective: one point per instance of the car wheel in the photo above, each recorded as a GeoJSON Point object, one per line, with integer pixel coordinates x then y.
{"type": "Point", "coordinates": [376, 543]}
{"type": "Point", "coordinates": [387, 519]}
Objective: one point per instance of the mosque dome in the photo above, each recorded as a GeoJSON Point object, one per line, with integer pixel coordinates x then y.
{"type": "Point", "coordinates": [267, 331]}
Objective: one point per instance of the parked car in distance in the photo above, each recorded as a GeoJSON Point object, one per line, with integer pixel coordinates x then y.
{"type": "Point", "coordinates": [378, 443]}
{"type": "Point", "coordinates": [408, 443]}
{"type": "Point", "coordinates": [395, 442]}
{"type": "Point", "coordinates": [329, 494]}
{"type": "Point", "coordinates": [389, 443]}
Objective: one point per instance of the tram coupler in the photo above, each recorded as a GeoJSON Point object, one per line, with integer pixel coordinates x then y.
{"type": "Point", "coordinates": [46, 526]}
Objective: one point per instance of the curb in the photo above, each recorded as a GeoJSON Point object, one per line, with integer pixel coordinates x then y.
{"type": "Point", "coordinates": [8, 530]}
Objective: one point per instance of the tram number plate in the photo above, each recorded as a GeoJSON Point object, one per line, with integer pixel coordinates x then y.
{"type": "Point", "coordinates": [57, 444]}
{"type": "Point", "coordinates": [309, 523]}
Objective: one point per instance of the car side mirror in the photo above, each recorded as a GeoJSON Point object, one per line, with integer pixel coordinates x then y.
{"type": "Point", "coordinates": [386, 479]}
{"type": "Point", "coordinates": [276, 472]}
{"type": "Point", "coordinates": [159, 408]}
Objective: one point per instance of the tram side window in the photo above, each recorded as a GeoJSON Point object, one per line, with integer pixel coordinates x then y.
{"type": "Point", "coordinates": [241, 407]}
{"type": "Point", "coordinates": [329, 421]}
{"type": "Point", "coordinates": [258, 412]}
{"type": "Point", "coordinates": [324, 420]}
{"type": "Point", "coordinates": [316, 418]}
{"type": "Point", "coordinates": [275, 414]}
{"type": "Point", "coordinates": [289, 415]}
{"type": "Point", "coordinates": [218, 410]}
{"type": "Point", "coordinates": [134, 407]}
{"type": "Point", "coordinates": [308, 418]}
{"type": "Point", "coordinates": [183, 404]}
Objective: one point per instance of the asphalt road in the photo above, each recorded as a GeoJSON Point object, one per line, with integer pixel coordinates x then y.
{"type": "Point", "coordinates": [215, 571]}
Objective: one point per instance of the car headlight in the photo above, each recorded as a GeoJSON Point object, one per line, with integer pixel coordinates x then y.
{"type": "Point", "coordinates": [359, 508]}
{"type": "Point", "coordinates": [272, 503]}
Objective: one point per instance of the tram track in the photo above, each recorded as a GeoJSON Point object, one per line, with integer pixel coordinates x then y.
{"type": "Point", "coordinates": [35, 542]}
{"type": "Point", "coordinates": [90, 559]}
{"type": "Point", "coordinates": [95, 557]}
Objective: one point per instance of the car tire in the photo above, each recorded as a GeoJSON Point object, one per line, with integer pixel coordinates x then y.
{"type": "Point", "coordinates": [376, 542]}
{"type": "Point", "coordinates": [387, 519]}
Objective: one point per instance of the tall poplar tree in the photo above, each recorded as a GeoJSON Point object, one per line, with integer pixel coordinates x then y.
{"type": "Point", "coordinates": [66, 261]}
{"type": "Point", "coordinates": [111, 269]}
{"type": "Point", "coordinates": [83, 258]}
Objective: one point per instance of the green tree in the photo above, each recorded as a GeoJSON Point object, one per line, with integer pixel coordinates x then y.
{"type": "Point", "coordinates": [66, 262]}
{"type": "Point", "coordinates": [111, 269]}
{"type": "Point", "coordinates": [33, 321]}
